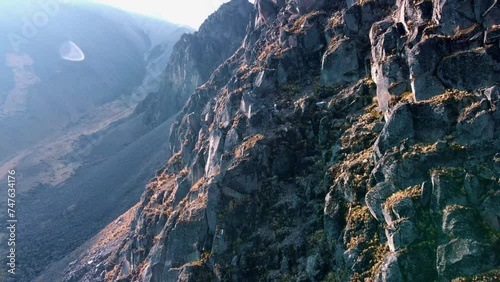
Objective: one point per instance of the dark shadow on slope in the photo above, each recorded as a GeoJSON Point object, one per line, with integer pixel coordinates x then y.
{"type": "Point", "coordinates": [56, 220]}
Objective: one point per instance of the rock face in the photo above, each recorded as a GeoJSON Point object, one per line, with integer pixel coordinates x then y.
{"type": "Point", "coordinates": [343, 141]}
{"type": "Point", "coordinates": [194, 58]}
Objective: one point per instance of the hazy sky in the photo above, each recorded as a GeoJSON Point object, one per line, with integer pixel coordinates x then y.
{"type": "Point", "coordinates": [186, 12]}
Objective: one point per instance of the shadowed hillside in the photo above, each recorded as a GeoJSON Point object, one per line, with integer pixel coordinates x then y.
{"type": "Point", "coordinates": [343, 141]}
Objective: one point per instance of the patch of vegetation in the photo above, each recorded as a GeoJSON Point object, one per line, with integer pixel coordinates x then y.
{"type": "Point", "coordinates": [456, 173]}
{"type": "Point", "coordinates": [249, 72]}
{"type": "Point", "coordinates": [299, 24]}
{"type": "Point", "coordinates": [427, 228]}
{"type": "Point", "coordinates": [492, 275]}
{"type": "Point", "coordinates": [454, 146]}
{"type": "Point", "coordinates": [358, 215]}
{"type": "Point", "coordinates": [267, 50]}
{"type": "Point", "coordinates": [291, 89]}
{"type": "Point", "coordinates": [323, 91]}
{"type": "Point", "coordinates": [335, 42]}
{"type": "Point", "coordinates": [451, 208]}
{"type": "Point", "coordinates": [412, 193]}
{"type": "Point", "coordinates": [378, 253]}
{"type": "Point", "coordinates": [317, 240]}
{"type": "Point", "coordinates": [420, 149]}
{"type": "Point", "coordinates": [336, 20]}
{"type": "Point", "coordinates": [404, 98]}
{"type": "Point", "coordinates": [453, 95]}
{"type": "Point", "coordinates": [248, 144]}
{"type": "Point", "coordinates": [463, 32]}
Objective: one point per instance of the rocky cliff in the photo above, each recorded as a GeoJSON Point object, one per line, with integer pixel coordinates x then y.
{"type": "Point", "coordinates": [194, 58]}
{"type": "Point", "coordinates": [343, 141]}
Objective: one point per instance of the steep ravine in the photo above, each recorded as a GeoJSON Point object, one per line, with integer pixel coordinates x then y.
{"type": "Point", "coordinates": [343, 141]}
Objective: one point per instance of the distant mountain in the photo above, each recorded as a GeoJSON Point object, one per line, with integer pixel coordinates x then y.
{"type": "Point", "coordinates": [44, 96]}
{"type": "Point", "coordinates": [70, 79]}
{"type": "Point", "coordinates": [194, 59]}
{"type": "Point", "coordinates": [42, 93]}
{"type": "Point", "coordinates": [49, 92]}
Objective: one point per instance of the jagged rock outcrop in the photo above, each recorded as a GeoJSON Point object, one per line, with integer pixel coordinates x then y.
{"type": "Point", "coordinates": [194, 58]}
{"type": "Point", "coordinates": [344, 141]}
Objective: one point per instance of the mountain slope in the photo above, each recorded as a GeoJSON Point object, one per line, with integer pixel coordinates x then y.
{"type": "Point", "coordinates": [117, 160]}
{"type": "Point", "coordinates": [344, 141]}
{"type": "Point", "coordinates": [194, 59]}
{"type": "Point", "coordinates": [64, 91]}
{"type": "Point", "coordinates": [86, 202]}
{"type": "Point", "coordinates": [50, 96]}
{"type": "Point", "coordinates": [73, 136]}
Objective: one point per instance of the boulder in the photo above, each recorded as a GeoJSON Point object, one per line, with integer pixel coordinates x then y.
{"type": "Point", "coordinates": [414, 12]}
{"type": "Point", "coordinates": [492, 94]}
{"type": "Point", "coordinates": [266, 12]}
{"type": "Point", "coordinates": [492, 35]}
{"type": "Point", "coordinates": [476, 129]}
{"type": "Point", "coordinates": [312, 39]}
{"type": "Point", "coordinates": [389, 270]}
{"type": "Point", "coordinates": [283, 164]}
{"type": "Point", "coordinates": [181, 189]}
{"type": "Point", "coordinates": [194, 272]}
{"type": "Point", "coordinates": [453, 14]}
{"type": "Point", "coordinates": [332, 220]}
{"type": "Point", "coordinates": [216, 144]}
{"type": "Point", "coordinates": [392, 78]}
{"type": "Point", "coordinates": [424, 57]}
{"type": "Point", "coordinates": [447, 189]}
{"type": "Point", "coordinates": [491, 210]}
{"type": "Point", "coordinates": [461, 257]}
{"type": "Point", "coordinates": [340, 63]}
{"type": "Point", "coordinates": [403, 208]}
{"type": "Point", "coordinates": [473, 189]}
{"type": "Point", "coordinates": [423, 60]}
{"type": "Point", "coordinates": [325, 126]}
{"type": "Point", "coordinates": [426, 193]}
{"type": "Point", "coordinates": [389, 69]}
{"type": "Point", "coordinates": [265, 80]}
{"type": "Point", "coordinates": [426, 86]}
{"type": "Point", "coordinates": [377, 196]}
{"type": "Point", "coordinates": [488, 12]}
{"type": "Point", "coordinates": [398, 209]}
{"type": "Point", "coordinates": [232, 140]}
{"type": "Point", "coordinates": [398, 127]}
{"type": "Point", "coordinates": [350, 256]}
{"type": "Point", "coordinates": [461, 222]}
{"type": "Point", "coordinates": [470, 70]}
{"type": "Point", "coordinates": [432, 121]}
{"type": "Point", "coordinates": [400, 234]}
{"type": "Point", "coordinates": [315, 267]}
{"type": "Point", "coordinates": [243, 178]}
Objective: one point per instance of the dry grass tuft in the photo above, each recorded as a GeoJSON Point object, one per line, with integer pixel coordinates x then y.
{"type": "Point", "coordinates": [248, 144]}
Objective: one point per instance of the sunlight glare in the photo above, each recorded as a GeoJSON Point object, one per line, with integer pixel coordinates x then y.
{"type": "Point", "coordinates": [71, 52]}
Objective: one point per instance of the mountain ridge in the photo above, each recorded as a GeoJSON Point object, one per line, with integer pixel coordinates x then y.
{"type": "Point", "coordinates": [197, 56]}
{"type": "Point", "coordinates": [343, 141]}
